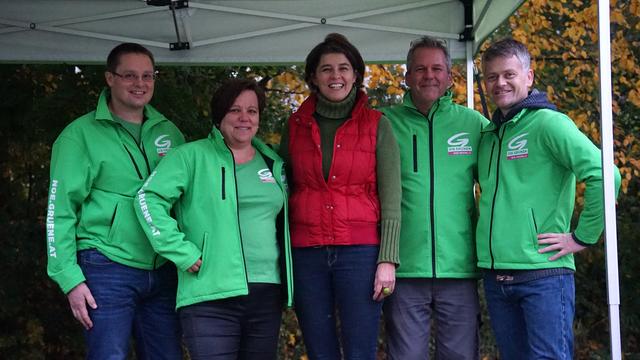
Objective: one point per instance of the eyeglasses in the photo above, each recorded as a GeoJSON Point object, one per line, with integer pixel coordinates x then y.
{"type": "Point", "coordinates": [132, 77]}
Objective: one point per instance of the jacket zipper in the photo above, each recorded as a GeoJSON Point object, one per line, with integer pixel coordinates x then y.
{"type": "Point", "coordinates": [141, 148]}
{"type": "Point", "coordinates": [495, 193]}
{"type": "Point", "coordinates": [133, 161]}
{"type": "Point", "coordinates": [493, 145]}
{"type": "Point", "coordinates": [431, 192]}
{"type": "Point", "coordinates": [244, 261]}
{"type": "Point", "coordinates": [135, 165]}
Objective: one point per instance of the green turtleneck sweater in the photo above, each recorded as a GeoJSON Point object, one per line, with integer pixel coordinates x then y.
{"type": "Point", "coordinates": [329, 117]}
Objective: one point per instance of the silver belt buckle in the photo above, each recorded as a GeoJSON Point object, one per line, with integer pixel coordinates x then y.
{"type": "Point", "coordinates": [502, 278]}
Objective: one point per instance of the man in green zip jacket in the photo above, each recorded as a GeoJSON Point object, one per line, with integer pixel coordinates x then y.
{"type": "Point", "coordinates": [529, 160]}
{"type": "Point", "coordinates": [437, 276]}
{"type": "Point", "coordinates": [97, 251]}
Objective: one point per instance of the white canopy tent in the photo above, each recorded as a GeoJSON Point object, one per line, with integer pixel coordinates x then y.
{"type": "Point", "coordinates": [243, 31]}
{"type": "Point", "coordinates": [209, 32]}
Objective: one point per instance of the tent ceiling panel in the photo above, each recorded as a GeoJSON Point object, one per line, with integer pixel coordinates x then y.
{"type": "Point", "coordinates": [222, 32]}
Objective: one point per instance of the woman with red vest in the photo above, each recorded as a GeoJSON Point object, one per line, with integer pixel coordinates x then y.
{"type": "Point", "coordinates": [344, 169]}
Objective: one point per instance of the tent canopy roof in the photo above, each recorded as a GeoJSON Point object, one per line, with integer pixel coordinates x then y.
{"type": "Point", "coordinates": [235, 32]}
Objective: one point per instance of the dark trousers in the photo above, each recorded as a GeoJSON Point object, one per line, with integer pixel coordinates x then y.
{"type": "Point", "coordinates": [241, 327]}
{"type": "Point", "coordinates": [331, 278]}
{"type": "Point", "coordinates": [451, 303]}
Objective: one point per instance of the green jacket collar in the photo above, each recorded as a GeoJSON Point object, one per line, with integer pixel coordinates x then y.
{"type": "Point", "coordinates": [492, 126]}
{"type": "Point", "coordinates": [151, 115]}
{"type": "Point", "coordinates": [216, 136]}
{"type": "Point", "coordinates": [441, 104]}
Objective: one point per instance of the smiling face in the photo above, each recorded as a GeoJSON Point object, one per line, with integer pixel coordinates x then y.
{"type": "Point", "coordinates": [507, 81]}
{"type": "Point", "coordinates": [334, 76]}
{"type": "Point", "coordinates": [130, 96]}
{"type": "Point", "coordinates": [428, 78]}
{"type": "Point", "coordinates": [240, 124]}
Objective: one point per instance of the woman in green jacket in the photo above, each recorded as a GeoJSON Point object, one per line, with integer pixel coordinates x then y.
{"type": "Point", "coordinates": [217, 208]}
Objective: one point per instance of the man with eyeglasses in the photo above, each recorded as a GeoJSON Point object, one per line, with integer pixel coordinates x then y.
{"type": "Point", "coordinates": [437, 276]}
{"type": "Point", "coordinates": [116, 285]}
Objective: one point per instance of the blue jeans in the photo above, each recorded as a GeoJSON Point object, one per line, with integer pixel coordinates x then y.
{"type": "Point", "coordinates": [131, 301]}
{"type": "Point", "coordinates": [331, 278]}
{"type": "Point", "coordinates": [452, 304]}
{"type": "Point", "coordinates": [237, 328]}
{"type": "Point", "coordinates": [534, 319]}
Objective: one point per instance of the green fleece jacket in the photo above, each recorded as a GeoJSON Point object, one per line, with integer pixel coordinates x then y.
{"type": "Point", "coordinates": [96, 169]}
{"type": "Point", "coordinates": [196, 183]}
{"type": "Point", "coordinates": [527, 171]}
{"type": "Point", "coordinates": [439, 154]}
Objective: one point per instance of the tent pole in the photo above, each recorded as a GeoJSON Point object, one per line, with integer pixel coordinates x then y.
{"type": "Point", "coordinates": [469, 75]}
{"type": "Point", "coordinates": [611, 246]}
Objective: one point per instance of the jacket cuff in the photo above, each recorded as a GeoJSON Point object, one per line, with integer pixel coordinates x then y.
{"type": "Point", "coordinates": [580, 242]}
{"type": "Point", "coordinates": [68, 278]}
{"type": "Point", "coordinates": [389, 241]}
{"type": "Point", "coordinates": [188, 261]}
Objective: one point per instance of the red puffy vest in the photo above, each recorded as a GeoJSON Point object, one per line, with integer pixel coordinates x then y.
{"type": "Point", "coordinates": [344, 209]}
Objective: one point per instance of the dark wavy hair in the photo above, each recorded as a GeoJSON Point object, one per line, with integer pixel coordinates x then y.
{"type": "Point", "coordinates": [226, 95]}
{"type": "Point", "coordinates": [333, 43]}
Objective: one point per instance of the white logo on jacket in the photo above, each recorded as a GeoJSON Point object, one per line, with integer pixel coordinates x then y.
{"type": "Point", "coordinates": [458, 144]}
{"type": "Point", "coordinates": [163, 145]}
{"type": "Point", "coordinates": [266, 176]}
{"type": "Point", "coordinates": [517, 147]}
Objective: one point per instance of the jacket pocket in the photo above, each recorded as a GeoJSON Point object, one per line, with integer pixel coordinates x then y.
{"type": "Point", "coordinates": [114, 224]}
{"type": "Point", "coordinates": [126, 233]}
{"type": "Point", "coordinates": [374, 204]}
{"type": "Point", "coordinates": [222, 182]}
{"type": "Point", "coordinates": [113, 217]}
{"type": "Point", "coordinates": [203, 265]}
{"type": "Point", "coordinates": [533, 227]}
{"type": "Point", "coordinates": [415, 153]}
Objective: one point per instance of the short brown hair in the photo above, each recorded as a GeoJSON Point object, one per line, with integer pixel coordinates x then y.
{"type": "Point", "coordinates": [334, 43]}
{"type": "Point", "coordinates": [226, 95]}
{"type": "Point", "coordinates": [508, 48]}
{"type": "Point", "coordinates": [113, 60]}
